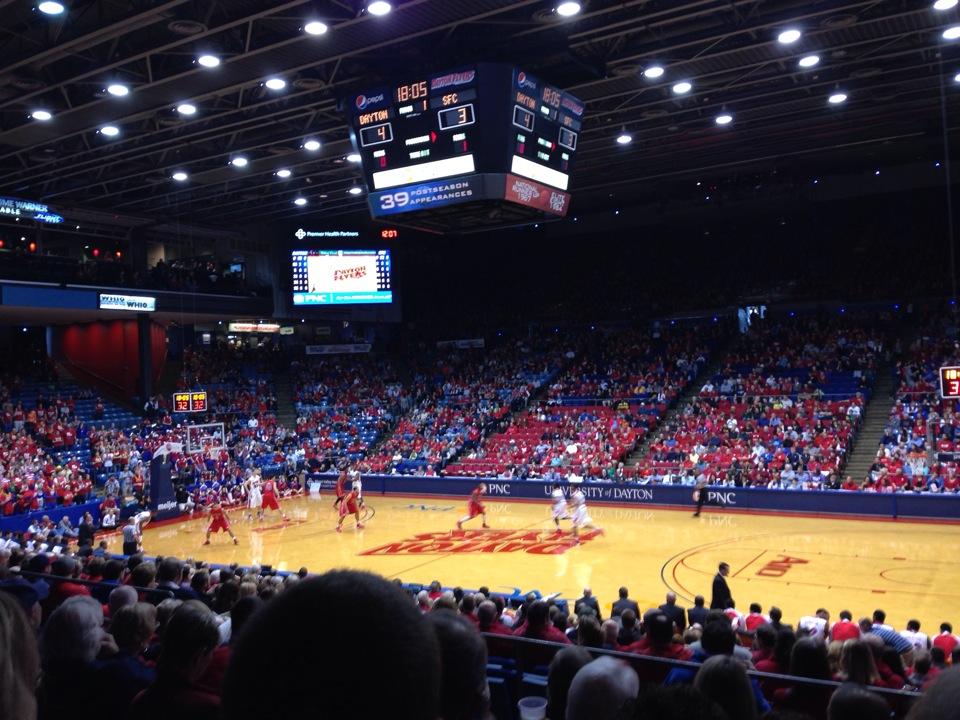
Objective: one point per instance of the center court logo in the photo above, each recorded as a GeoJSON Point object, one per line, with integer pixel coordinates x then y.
{"type": "Point", "coordinates": [534, 542]}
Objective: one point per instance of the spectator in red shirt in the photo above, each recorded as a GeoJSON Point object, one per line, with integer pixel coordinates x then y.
{"type": "Point", "coordinates": [845, 629]}
{"type": "Point", "coordinates": [946, 640]}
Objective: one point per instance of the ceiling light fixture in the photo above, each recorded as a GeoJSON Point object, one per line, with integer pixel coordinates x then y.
{"type": "Point", "coordinates": [379, 7]}
{"type": "Point", "coordinates": [724, 119]}
{"type": "Point", "coordinates": [653, 72]}
{"type": "Point", "coordinates": [682, 88]}
{"type": "Point", "coordinates": [956, 78]}
{"type": "Point", "coordinates": [208, 61]}
{"type": "Point", "coordinates": [624, 138]}
{"type": "Point", "coordinates": [300, 201]}
{"type": "Point", "coordinates": [41, 115]}
{"type": "Point", "coordinates": [355, 190]}
{"type": "Point", "coordinates": [180, 176]}
{"type": "Point", "coordinates": [788, 37]}
{"type": "Point", "coordinates": [808, 61]}
{"type": "Point", "coordinates": [944, 4]}
{"type": "Point", "coordinates": [311, 145]}
{"type": "Point", "coordinates": [276, 83]}
{"type": "Point", "coordinates": [110, 130]}
{"type": "Point", "coordinates": [118, 90]}
{"type": "Point", "coordinates": [315, 27]}
{"type": "Point", "coordinates": [48, 7]}
{"type": "Point", "coordinates": [837, 98]}
{"type": "Point", "coordinates": [568, 8]}
{"type": "Point", "coordinates": [239, 161]}
{"type": "Point", "coordinates": [354, 157]}
{"type": "Point", "coordinates": [186, 109]}
{"type": "Point", "coordinates": [284, 173]}
{"type": "Point", "coordinates": [952, 32]}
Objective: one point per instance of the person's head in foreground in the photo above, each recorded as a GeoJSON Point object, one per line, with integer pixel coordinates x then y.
{"type": "Point", "coordinates": [600, 689]}
{"type": "Point", "coordinates": [341, 619]}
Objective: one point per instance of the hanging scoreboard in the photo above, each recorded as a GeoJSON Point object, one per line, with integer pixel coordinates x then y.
{"type": "Point", "coordinates": [483, 133]}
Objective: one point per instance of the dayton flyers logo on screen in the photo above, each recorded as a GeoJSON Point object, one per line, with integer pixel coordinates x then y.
{"type": "Point", "coordinates": [364, 101]}
{"type": "Point", "coordinates": [453, 79]}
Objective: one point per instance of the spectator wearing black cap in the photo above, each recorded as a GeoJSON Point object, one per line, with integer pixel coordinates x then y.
{"type": "Point", "coordinates": [29, 595]}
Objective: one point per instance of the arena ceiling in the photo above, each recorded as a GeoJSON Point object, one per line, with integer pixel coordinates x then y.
{"type": "Point", "coordinates": [888, 57]}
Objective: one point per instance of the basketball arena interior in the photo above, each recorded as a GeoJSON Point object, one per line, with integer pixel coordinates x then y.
{"type": "Point", "coordinates": [479, 359]}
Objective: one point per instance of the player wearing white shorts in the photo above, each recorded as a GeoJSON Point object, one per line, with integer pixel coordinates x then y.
{"type": "Point", "coordinates": [581, 516]}
{"type": "Point", "coordinates": [254, 496]}
{"type": "Point", "coordinates": [357, 485]}
{"type": "Point", "coordinates": [559, 508]}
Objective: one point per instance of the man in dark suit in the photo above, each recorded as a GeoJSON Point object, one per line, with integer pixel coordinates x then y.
{"type": "Point", "coordinates": [721, 591]}
{"type": "Point", "coordinates": [697, 615]}
{"type": "Point", "coordinates": [587, 605]}
{"type": "Point", "coordinates": [675, 614]}
{"type": "Point", "coordinates": [625, 603]}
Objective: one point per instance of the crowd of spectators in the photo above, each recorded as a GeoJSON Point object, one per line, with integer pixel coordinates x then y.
{"type": "Point", "coordinates": [781, 412]}
{"type": "Point", "coordinates": [167, 637]}
{"type": "Point", "coordinates": [461, 397]}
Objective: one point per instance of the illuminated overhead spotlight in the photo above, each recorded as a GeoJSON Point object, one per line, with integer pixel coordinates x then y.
{"type": "Point", "coordinates": [239, 161]}
{"type": "Point", "coordinates": [110, 130]}
{"type": "Point", "coordinates": [952, 32]}
{"type": "Point", "coordinates": [944, 4]}
{"type": "Point", "coordinates": [624, 138]}
{"type": "Point", "coordinates": [956, 78]}
{"type": "Point", "coordinates": [180, 176]}
{"type": "Point", "coordinates": [300, 201]}
{"type": "Point", "coordinates": [354, 157]}
{"type": "Point", "coordinates": [48, 7]}
{"type": "Point", "coordinates": [837, 98]}
{"type": "Point", "coordinates": [379, 7]}
{"type": "Point", "coordinates": [653, 72]}
{"type": "Point", "coordinates": [315, 27]}
{"type": "Point", "coordinates": [723, 119]}
{"type": "Point", "coordinates": [355, 190]}
{"type": "Point", "coordinates": [208, 61]}
{"type": "Point", "coordinates": [568, 8]}
{"type": "Point", "coordinates": [276, 83]}
{"type": "Point", "coordinates": [41, 115]}
{"type": "Point", "coordinates": [808, 61]}
{"type": "Point", "coordinates": [186, 109]}
{"type": "Point", "coordinates": [311, 145]}
{"type": "Point", "coordinates": [682, 88]}
{"type": "Point", "coordinates": [118, 89]}
{"type": "Point", "coordinates": [788, 37]}
{"type": "Point", "coordinates": [284, 173]}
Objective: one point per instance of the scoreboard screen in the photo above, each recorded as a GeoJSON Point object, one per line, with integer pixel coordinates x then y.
{"type": "Point", "coordinates": [487, 132]}
{"type": "Point", "coordinates": [341, 277]}
{"type": "Point", "coordinates": [192, 401]}
{"type": "Point", "coordinates": [950, 382]}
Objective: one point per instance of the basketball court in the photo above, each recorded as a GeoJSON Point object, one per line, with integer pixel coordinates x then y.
{"type": "Point", "coordinates": [798, 563]}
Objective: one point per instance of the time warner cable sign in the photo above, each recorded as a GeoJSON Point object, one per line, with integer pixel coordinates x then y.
{"type": "Point", "coordinates": [133, 303]}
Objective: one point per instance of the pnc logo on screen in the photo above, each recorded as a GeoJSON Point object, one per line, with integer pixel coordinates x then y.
{"type": "Point", "coordinates": [363, 101]}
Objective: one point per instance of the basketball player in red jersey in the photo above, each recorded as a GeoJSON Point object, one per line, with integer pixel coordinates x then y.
{"type": "Point", "coordinates": [475, 507]}
{"type": "Point", "coordinates": [270, 498]}
{"type": "Point", "coordinates": [341, 487]}
{"type": "Point", "coordinates": [350, 506]}
{"type": "Point", "coordinates": [219, 521]}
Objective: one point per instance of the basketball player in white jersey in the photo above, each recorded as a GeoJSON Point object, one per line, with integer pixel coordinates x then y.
{"type": "Point", "coordinates": [559, 508]}
{"type": "Point", "coordinates": [581, 516]}
{"type": "Point", "coordinates": [357, 484]}
{"type": "Point", "coordinates": [254, 496]}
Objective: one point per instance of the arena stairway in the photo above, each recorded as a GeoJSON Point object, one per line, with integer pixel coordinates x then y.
{"type": "Point", "coordinates": [286, 406]}
{"type": "Point", "coordinates": [874, 420]}
{"type": "Point", "coordinates": [693, 389]}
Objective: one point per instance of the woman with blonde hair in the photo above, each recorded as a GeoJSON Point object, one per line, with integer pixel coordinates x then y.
{"type": "Point", "coordinates": [19, 662]}
{"type": "Point", "coordinates": [857, 664]}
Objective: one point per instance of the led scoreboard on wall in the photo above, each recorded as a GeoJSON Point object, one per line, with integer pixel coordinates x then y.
{"type": "Point", "coordinates": [487, 133]}
{"type": "Point", "coordinates": [950, 382]}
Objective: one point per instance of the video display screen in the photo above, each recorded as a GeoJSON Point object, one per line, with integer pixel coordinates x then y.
{"type": "Point", "coordinates": [341, 277]}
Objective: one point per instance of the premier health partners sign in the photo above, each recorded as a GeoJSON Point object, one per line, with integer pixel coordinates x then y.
{"type": "Point", "coordinates": [133, 303]}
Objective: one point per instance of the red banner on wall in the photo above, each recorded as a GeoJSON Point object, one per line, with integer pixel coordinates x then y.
{"type": "Point", "coordinates": [533, 194]}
